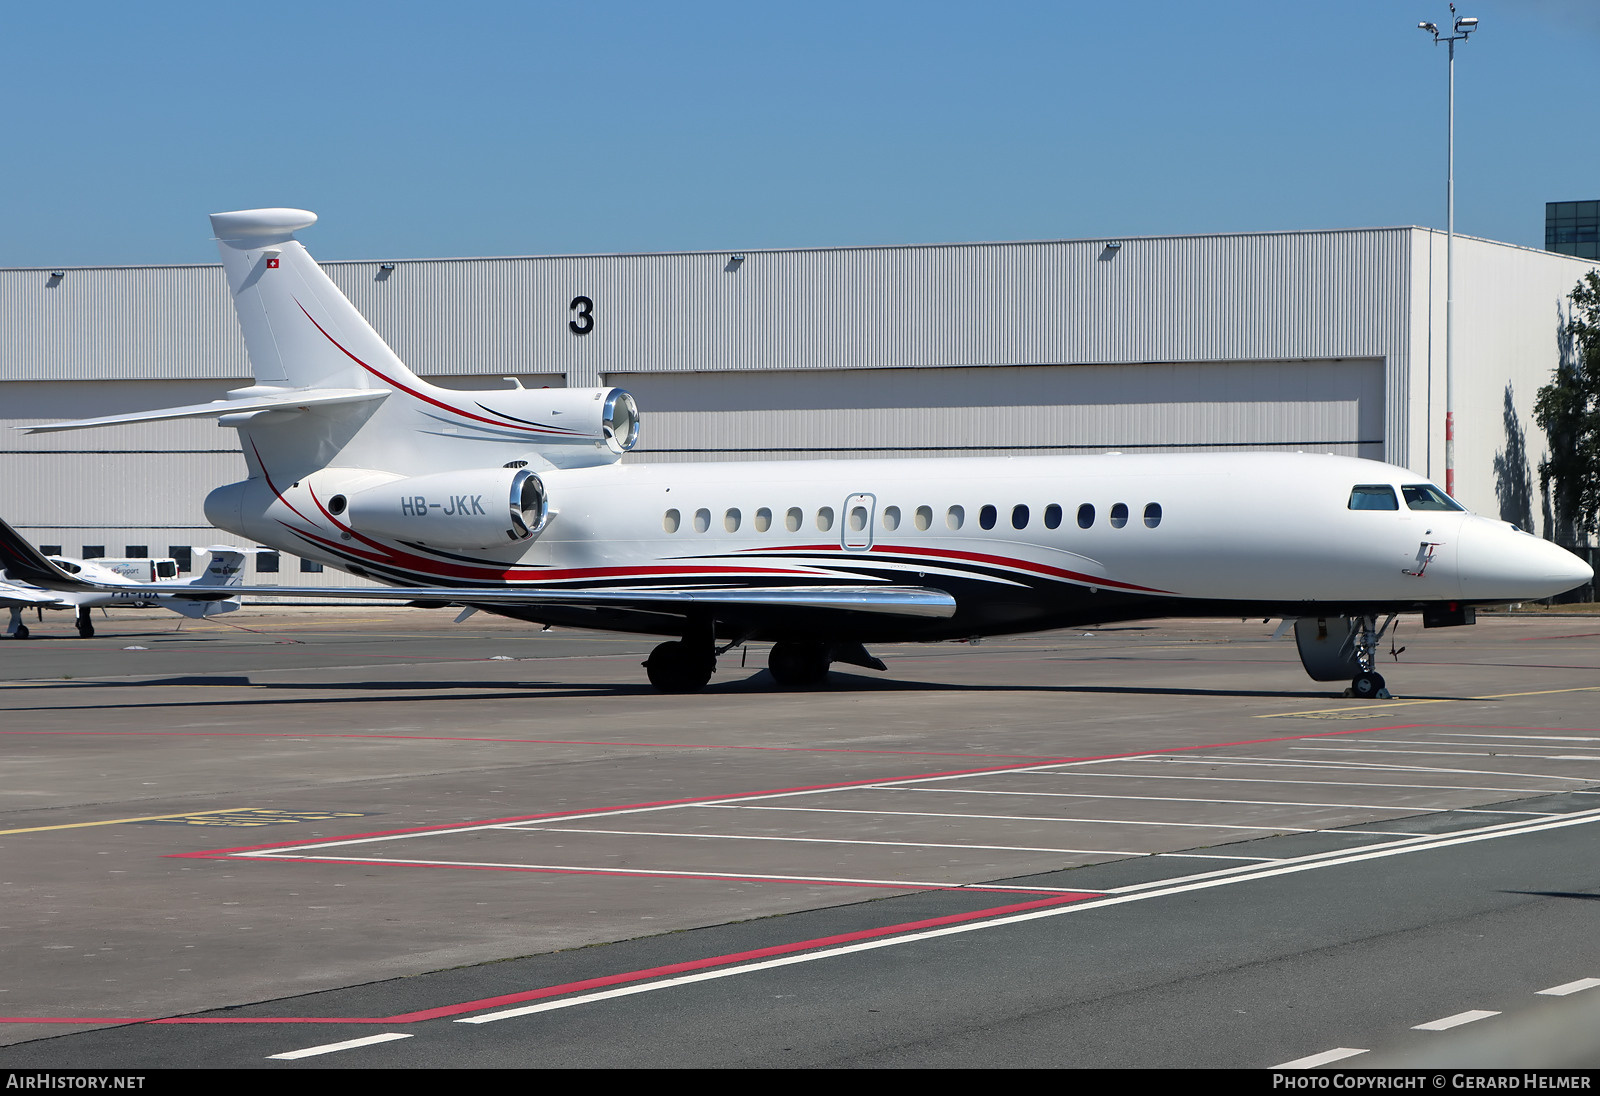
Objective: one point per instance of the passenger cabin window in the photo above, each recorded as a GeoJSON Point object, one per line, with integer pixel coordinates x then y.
{"type": "Point", "coordinates": [924, 517]}
{"type": "Point", "coordinates": [1373, 496]}
{"type": "Point", "coordinates": [792, 519]}
{"type": "Point", "coordinates": [987, 516]}
{"type": "Point", "coordinates": [955, 517]}
{"type": "Point", "coordinates": [891, 517]}
{"type": "Point", "coordinates": [1119, 515]}
{"type": "Point", "coordinates": [763, 520]}
{"type": "Point", "coordinates": [1019, 516]}
{"type": "Point", "coordinates": [1052, 516]}
{"type": "Point", "coordinates": [1085, 515]}
{"type": "Point", "coordinates": [1152, 514]}
{"type": "Point", "coordinates": [825, 518]}
{"type": "Point", "coordinates": [1425, 496]}
{"type": "Point", "coordinates": [671, 521]}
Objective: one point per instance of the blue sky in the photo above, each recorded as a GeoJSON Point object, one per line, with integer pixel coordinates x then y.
{"type": "Point", "coordinates": [427, 129]}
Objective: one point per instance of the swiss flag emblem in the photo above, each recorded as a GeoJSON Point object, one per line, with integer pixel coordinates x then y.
{"type": "Point", "coordinates": [272, 264]}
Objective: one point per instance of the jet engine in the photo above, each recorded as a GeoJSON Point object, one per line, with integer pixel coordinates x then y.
{"type": "Point", "coordinates": [565, 424]}
{"type": "Point", "coordinates": [473, 508]}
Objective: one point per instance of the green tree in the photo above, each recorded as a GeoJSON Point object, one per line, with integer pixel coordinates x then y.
{"type": "Point", "coordinates": [1568, 410]}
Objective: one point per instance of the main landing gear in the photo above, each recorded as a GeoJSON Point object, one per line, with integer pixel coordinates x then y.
{"type": "Point", "coordinates": [17, 629]}
{"type": "Point", "coordinates": [686, 665]}
{"type": "Point", "coordinates": [85, 623]}
{"type": "Point", "coordinates": [681, 666]}
{"type": "Point", "coordinates": [803, 664]}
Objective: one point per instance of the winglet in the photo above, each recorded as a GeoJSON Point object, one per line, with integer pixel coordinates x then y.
{"type": "Point", "coordinates": [22, 562]}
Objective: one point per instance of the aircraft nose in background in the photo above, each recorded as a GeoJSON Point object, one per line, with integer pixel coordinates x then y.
{"type": "Point", "coordinates": [1498, 563]}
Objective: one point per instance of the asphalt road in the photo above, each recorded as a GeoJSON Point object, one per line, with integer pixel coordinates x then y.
{"type": "Point", "coordinates": [1157, 845]}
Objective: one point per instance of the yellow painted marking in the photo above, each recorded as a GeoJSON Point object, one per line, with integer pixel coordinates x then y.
{"type": "Point", "coordinates": [1356, 713]}
{"type": "Point", "coordinates": [120, 821]}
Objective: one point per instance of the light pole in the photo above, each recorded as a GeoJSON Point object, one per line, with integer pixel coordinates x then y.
{"type": "Point", "coordinates": [1460, 28]}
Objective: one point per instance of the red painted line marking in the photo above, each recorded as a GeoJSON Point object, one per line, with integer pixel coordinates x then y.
{"type": "Point", "coordinates": [565, 988]}
{"type": "Point", "coordinates": [864, 782]}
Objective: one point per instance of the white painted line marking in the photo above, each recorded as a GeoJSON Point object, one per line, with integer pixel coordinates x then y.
{"type": "Point", "coordinates": [1312, 1061]}
{"type": "Point", "coordinates": [1015, 818]}
{"type": "Point", "coordinates": [1455, 1021]}
{"type": "Point", "coordinates": [1571, 987]}
{"type": "Point", "coordinates": [1377, 766]}
{"type": "Point", "coordinates": [823, 840]}
{"type": "Point", "coordinates": [330, 1048]}
{"type": "Point", "coordinates": [1518, 737]}
{"type": "Point", "coordinates": [1446, 753]}
{"type": "Point", "coordinates": [1206, 881]}
{"type": "Point", "coordinates": [1290, 780]}
{"type": "Point", "coordinates": [1181, 799]}
{"type": "Point", "coordinates": [668, 873]}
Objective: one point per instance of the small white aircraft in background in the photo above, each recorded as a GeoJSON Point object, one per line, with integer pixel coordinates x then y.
{"type": "Point", "coordinates": [125, 586]}
{"type": "Point", "coordinates": [514, 502]}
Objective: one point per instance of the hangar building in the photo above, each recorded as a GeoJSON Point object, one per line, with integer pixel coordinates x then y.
{"type": "Point", "coordinates": [1329, 341]}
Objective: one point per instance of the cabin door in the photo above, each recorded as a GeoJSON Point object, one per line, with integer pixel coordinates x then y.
{"type": "Point", "coordinates": [860, 511]}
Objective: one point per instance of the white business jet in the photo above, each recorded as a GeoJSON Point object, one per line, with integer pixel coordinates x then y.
{"type": "Point", "coordinates": [101, 587]}
{"type": "Point", "coordinates": [513, 502]}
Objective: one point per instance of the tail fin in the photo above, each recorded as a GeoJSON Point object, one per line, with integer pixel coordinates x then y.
{"type": "Point", "coordinates": [22, 562]}
{"type": "Point", "coordinates": [299, 330]}
{"type": "Point", "coordinates": [225, 569]}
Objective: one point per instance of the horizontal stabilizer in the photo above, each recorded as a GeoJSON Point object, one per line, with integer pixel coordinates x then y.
{"type": "Point", "coordinates": [26, 595]}
{"type": "Point", "coordinates": [288, 400]}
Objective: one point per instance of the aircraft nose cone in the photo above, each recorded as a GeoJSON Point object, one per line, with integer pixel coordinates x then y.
{"type": "Point", "coordinates": [1499, 564]}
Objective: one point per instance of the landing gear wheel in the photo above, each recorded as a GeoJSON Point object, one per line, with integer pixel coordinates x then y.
{"type": "Point", "coordinates": [797, 665]}
{"type": "Point", "coordinates": [1368, 686]}
{"type": "Point", "coordinates": [85, 627]}
{"type": "Point", "coordinates": [675, 667]}
{"type": "Point", "coordinates": [21, 632]}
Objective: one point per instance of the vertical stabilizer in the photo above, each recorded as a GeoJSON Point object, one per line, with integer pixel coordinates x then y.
{"type": "Point", "coordinates": [299, 330]}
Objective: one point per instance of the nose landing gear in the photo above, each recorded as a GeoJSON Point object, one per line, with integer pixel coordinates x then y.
{"type": "Point", "coordinates": [1368, 683]}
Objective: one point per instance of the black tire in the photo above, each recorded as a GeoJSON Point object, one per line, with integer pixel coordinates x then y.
{"type": "Point", "coordinates": [1367, 686]}
{"type": "Point", "coordinates": [675, 667]}
{"type": "Point", "coordinates": [85, 628]}
{"type": "Point", "coordinates": [798, 665]}
{"type": "Point", "coordinates": [21, 632]}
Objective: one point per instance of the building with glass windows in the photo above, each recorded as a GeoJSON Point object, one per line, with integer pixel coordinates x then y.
{"type": "Point", "coordinates": [1573, 228]}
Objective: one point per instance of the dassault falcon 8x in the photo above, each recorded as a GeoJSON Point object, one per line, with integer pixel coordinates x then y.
{"type": "Point", "coordinates": [516, 502]}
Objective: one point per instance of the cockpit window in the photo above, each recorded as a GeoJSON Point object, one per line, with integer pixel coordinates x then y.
{"type": "Point", "coordinates": [1373, 496]}
{"type": "Point", "coordinates": [1425, 496]}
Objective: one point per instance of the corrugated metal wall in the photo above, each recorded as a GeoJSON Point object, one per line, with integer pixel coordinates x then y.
{"type": "Point", "coordinates": [1269, 297]}
{"type": "Point", "coordinates": [1333, 407]}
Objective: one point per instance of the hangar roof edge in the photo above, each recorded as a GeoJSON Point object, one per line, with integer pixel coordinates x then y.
{"type": "Point", "coordinates": [831, 248]}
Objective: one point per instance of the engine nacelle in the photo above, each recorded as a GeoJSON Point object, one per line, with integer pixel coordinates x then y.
{"type": "Point", "coordinates": [591, 418]}
{"type": "Point", "coordinates": [473, 508]}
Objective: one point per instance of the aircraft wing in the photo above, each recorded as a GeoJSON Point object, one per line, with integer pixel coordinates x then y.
{"type": "Point", "coordinates": [12, 594]}
{"type": "Point", "coordinates": [907, 601]}
{"type": "Point", "coordinates": [23, 561]}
